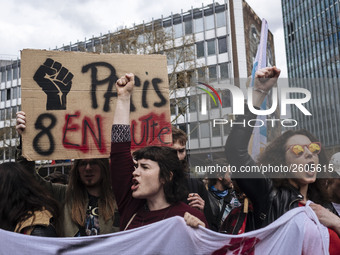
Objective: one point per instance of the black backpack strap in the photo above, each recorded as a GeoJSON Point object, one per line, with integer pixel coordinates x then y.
{"type": "Point", "coordinates": [226, 200]}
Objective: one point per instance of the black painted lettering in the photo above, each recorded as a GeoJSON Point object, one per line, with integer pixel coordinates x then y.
{"type": "Point", "coordinates": [111, 79]}
{"type": "Point", "coordinates": [44, 131]}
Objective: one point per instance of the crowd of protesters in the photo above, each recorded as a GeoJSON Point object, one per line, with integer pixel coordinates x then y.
{"type": "Point", "coordinates": [153, 183]}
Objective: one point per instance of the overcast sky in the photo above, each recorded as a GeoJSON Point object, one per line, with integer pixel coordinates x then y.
{"type": "Point", "coordinates": [45, 24]}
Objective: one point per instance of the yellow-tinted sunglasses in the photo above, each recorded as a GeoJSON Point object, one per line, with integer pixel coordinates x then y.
{"type": "Point", "coordinates": [299, 149]}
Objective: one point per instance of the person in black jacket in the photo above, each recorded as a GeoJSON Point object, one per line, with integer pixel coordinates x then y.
{"type": "Point", "coordinates": [197, 194]}
{"type": "Point", "coordinates": [222, 198]}
{"type": "Point", "coordinates": [273, 197]}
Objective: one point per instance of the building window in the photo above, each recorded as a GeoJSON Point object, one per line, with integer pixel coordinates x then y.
{"type": "Point", "coordinates": [173, 106]}
{"type": "Point", "coordinates": [140, 39]}
{"type": "Point", "coordinates": [189, 53]}
{"type": "Point", "coordinates": [3, 95]}
{"type": "Point", "coordinates": [2, 114]}
{"type": "Point", "coordinates": [8, 113]}
{"type": "Point", "coordinates": [193, 130]}
{"type": "Point", "coordinates": [193, 103]}
{"type": "Point", "coordinates": [211, 47]}
{"type": "Point", "coordinates": [180, 80]}
{"type": "Point", "coordinates": [254, 32]}
{"type": "Point", "coordinates": [168, 32]}
{"type": "Point", "coordinates": [200, 49]}
{"type": "Point", "coordinates": [201, 74]}
{"type": "Point", "coordinates": [220, 19]}
{"type": "Point", "coordinates": [15, 73]}
{"type": "Point", "coordinates": [11, 152]}
{"type": "Point", "coordinates": [14, 112]}
{"type": "Point", "coordinates": [224, 71]}
{"type": "Point", "coordinates": [14, 134]}
{"type": "Point", "coordinates": [7, 153]}
{"type": "Point", "coordinates": [212, 73]}
{"type": "Point", "coordinates": [200, 102]}
{"type": "Point", "coordinates": [198, 25]}
{"type": "Point", "coordinates": [204, 128]}
{"type": "Point", "coordinates": [170, 57]}
{"type": "Point", "coordinates": [179, 55]}
{"type": "Point", "coordinates": [216, 131]}
{"type": "Point", "coordinates": [188, 27]}
{"type": "Point", "coordinates": [3, 76]}
{"type": "Point", "coordinates": [190, 78]}
{"type": "Point", "coordinates": [226, 98]}
{"type": "Point", "coordinates": [183, 127]}
{"type": "Point", "coordinates": [9, 74]}
{"type": "Point", "coordinates": [15, 93]}
{"type": "Point", "coordinates": [222, 45]}
{"type": "Point", "coordinates": [209, 22]}
{"type": "Point", "coordinates": [2, 134]}
{"type": "Point", "coordinates": [182, 105]}
{"type": "Point", "coordinates": [8, 94]}
{"type": "Point", "coordinates": [178, 30]}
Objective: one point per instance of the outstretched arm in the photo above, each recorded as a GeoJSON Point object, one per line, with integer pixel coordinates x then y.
{"type": "Point", "coordinates": [122, 165]}
{"type": "Point", "coordinates": [236, 147]}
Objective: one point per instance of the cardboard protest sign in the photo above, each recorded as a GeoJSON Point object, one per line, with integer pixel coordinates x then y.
{"type": "Point", "coordinates": [69, 101]}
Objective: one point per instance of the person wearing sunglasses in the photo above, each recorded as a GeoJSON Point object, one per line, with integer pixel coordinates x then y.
{"type": "Point", "coordinates": [297, 153]}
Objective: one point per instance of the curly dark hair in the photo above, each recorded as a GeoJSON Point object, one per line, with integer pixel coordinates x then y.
{"type": "Point", "coordinates": [274, 154]}
{"type": "Point", "coordinates": [21, 196]}
{"type": "Point", "coordinates": [171, 170]}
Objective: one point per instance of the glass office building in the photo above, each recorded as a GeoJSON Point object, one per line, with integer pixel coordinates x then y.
{"type": "Point", "coordinates": [312, 38]}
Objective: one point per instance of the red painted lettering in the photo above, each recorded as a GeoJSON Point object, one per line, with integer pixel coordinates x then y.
{"type": "Point", "coordinates": [88, 128]}
{"type": "Point", "coordinates": [152, 130]}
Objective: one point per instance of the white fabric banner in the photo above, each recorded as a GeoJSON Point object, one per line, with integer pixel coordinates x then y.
{"type": "Point", "coordinates": [296, 232]}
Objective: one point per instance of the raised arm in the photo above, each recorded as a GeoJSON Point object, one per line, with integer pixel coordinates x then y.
{"type": "Point", "coordinates": [265, 79]}
{"type": "Point", "coordinates": [122, 165]}
{"type": "Point", "coordinates": [236, 147]}
{"type": "Point", "coordinates": [20, 127]}
{"type": "Point", "coordinates": [124, 88]}
{"type": "Point", "coordinates": [56, 190]}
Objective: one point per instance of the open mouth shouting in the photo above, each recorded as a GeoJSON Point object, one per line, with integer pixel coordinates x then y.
{"type": "Point", "coordinates": [135, 185]}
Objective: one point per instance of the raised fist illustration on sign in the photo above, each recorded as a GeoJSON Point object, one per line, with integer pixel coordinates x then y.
{"type": "Point", "coordinates": [56, 81]}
